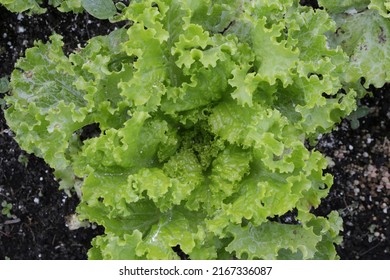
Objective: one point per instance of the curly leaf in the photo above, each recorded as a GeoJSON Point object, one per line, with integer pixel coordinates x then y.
{"type": "Point", "coordinates": [383, 7]}
{"type": "Point", "coordinates": [265, 241]}
{"type": "Point", "coordinates": [113, 247]}
{"type": "Point", "coordinates": [283, 59]}
{"type": "Point", "coordinates": [364, 37]}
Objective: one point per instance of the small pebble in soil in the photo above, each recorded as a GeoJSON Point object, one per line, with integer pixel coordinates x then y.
{"type": "Point", "coordinates": [21, 29]}
{"type": "Point", "coordinates": [356, 191]}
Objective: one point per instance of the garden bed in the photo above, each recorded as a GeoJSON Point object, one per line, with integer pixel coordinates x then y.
{"type": "Point", "coordinates": [35, 224]}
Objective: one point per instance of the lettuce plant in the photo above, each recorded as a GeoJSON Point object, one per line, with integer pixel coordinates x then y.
{"type": "Point", "coordinates": [203, 111]}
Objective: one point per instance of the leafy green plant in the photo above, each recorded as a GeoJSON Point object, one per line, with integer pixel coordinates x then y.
{"type": "Point", "coordinates": [102, 9]}
{"type": "Point", "coordinates": [6, 209]}
{"type": "Point", "coordinates": [203, 111]}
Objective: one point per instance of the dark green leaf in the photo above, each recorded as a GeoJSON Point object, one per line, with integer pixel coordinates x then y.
{"type": "Point", "coordinates": [4, 84]}
{"type": "Point", "coordinates": [101, 9]}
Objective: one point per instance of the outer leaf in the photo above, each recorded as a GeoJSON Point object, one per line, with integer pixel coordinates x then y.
{"type": "Point", "coordinates": [113, 247]}
{"type": "Point", "coordinates": [364, 37]}
{"type": "Point", "coordinates": [245, 85]}
{"type": "Point", "coordinates": [383, 6]}
{"type": "Point", "coordinates": [175, 227]}
{"type": "Point", "coordinates": [101, 9]}
{"type": "Point", "coordinates": [115, 213]}
{"type": "Point", "coordinates": [4, 84]}
{"type": "Point", "coordinates": [265, 241]}
{"type": "Point", "coordinates": [214, 16]}
{"type": "Point", "coordinates": [46, 75]}
{"type": "Point", "coordinates": [19, 6]}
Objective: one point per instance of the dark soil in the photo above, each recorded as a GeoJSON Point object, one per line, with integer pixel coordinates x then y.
{"type": "Point", "coordinates": [35, 227]}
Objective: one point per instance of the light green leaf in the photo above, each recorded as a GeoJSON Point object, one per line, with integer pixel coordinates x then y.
{"type": "Point", "coordinates": [211, 82]}
{"type": "Point", "coordinates": [67, 5]}
{"type": "Point", "coordinates": [281, 63]}
{"type": "Point", "coordinates": [247, 126]}
{"type": "Point", "coordinates": [46, 106]}
{"type": "Point", "coordinates": [228, 169]}
{"type": "Point", "coordinates": [245, 84]}
{"type": "Point", "coordinates": [114, 212]}
{"type": "Point", "coordinates": [175, 227]}
{"type": "Point", "coordinates": [113, 247]}
{"type": "Point", "coordinates": [153, 181]}
{"type": "Point", "coordinates": [185, 172]}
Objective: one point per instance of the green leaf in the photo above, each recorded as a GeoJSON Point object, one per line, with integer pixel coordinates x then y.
{"type": "Point", "coordinates": [113, 247]}
{"type": "Point", "coordinates": [185, 172]}
{"type": "Point", "coordinates": [245, 84]}
{"type": "Point", "coordinates": [335, 6]}
{"type": "Point", "coordinates": [176, 227]}
{"type": "Point", "coordinates": [4, 84]}
{"type": "Point", "coordinates": [118, 214]}
{"type": "Point", "coordinates": [153, 181]}
{"type": "Point", "coordinates": [19, 6]}
{"type": "Point", "coordinates": [214, 16]}
{"type": "Point", "coordinates": [67, 5]}
{"type": "Point", "coordinates": [101, 9]}
{"type": "Point", "coordinates": [364, 37]}
{"type": "Point", "coordinates": [46, 106]}
{"type": "Point", "coordinates": [45, 70]}
{"type": "Point", "coordinates": [383, 6]}
{"type": "Point", "coordinates": [283, 59]}
{"type": "Point", "coordinates": [146, 87]}
{"type": "Point", "coordinates": [265, 241]}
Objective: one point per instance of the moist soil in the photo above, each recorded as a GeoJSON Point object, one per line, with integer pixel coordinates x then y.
{"type": "Point", "coordinates": [34, 213]}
